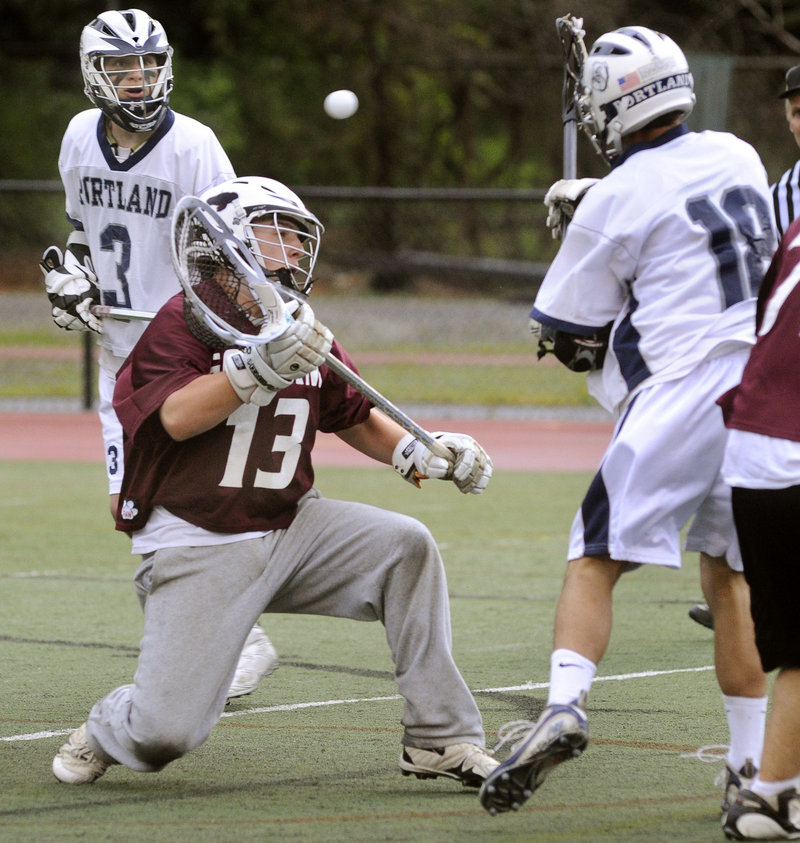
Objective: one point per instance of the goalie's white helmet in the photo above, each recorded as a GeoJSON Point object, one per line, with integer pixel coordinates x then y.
{"type": "Point", "coordinates": [631, 77]}
{"type": "Point", "coordinates": [243, 202]}
{"type": "Point", "coordinates": [128, 33]}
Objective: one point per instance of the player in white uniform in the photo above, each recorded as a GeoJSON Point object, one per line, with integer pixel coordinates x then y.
{"type": "Point", "coordinates": [652, 293]}
{"type": "Point", "coordinates": [124, 165]}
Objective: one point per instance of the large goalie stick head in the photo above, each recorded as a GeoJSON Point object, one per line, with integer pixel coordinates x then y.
{"type": "Point", "coordinates": [228, 300]}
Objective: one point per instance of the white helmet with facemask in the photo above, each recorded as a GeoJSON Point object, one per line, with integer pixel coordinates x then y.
{"type": "Point", "coordinates": [630, 78]}
{"type": "Point", "coordinates": [278, 212]}
{"type": "Point", "coordinates": [141, 104]}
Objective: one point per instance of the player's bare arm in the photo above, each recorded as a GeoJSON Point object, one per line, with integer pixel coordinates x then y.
{"type": "Point", "coordinates": [376, 437]}
{"type": "Point", "coordinates": [198, 406]}
{"type": "Point", "coordinates": [381, 438]}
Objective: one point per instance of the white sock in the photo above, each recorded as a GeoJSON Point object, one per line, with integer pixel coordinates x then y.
{"type": "Point", "coordinates": [571, 674]}
{"type": "Point", "coordinates": [747, 717]}
{"type": "Point", "coordinates": [773, 788]}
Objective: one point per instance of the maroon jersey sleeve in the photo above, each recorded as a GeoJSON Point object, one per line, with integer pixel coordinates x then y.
{"type": "Point", "coordinates": [342, 406]}
{"type": "Point", "coordinates": [248, 472]}
{"type": "Point", "coordinates": [767, 400]}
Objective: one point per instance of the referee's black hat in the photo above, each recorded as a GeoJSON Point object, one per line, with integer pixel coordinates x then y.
{"type": "Point", "coordinates": [792, 82]}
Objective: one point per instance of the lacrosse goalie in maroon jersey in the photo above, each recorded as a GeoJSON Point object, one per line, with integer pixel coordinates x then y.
{"type": "Point", "coordinates": [218, 497]}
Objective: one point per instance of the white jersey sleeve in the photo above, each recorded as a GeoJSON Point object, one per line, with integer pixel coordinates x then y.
{"type": "Point", "coordinates": [125, 208]}
{"type": "Point", "coordinates": [671, 247]}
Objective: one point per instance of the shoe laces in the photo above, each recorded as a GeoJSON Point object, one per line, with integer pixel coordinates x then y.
{"type": "Point", "coordinates": [83, 753]}
{"type": "Point", "coordinates": [511, 732]}
{"type": "Point", "coordinates": [248, 661]}
{"type": "Point", "coordinates": [480, 752]}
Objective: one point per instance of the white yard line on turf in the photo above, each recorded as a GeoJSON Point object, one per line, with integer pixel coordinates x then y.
{"type": "Point", "coordinates": [527, 686]}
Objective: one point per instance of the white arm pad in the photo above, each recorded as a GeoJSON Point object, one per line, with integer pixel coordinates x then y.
{"type": "Point", "coordinates": [413, 461]}
{"type": "Point", "coordinates": [78, 254]}
{"type": "Point", "coordinates": [252, 380]}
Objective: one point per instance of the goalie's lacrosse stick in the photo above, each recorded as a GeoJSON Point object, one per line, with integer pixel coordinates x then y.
{"type": "Point", "coordinates": [570, 32]}
{"type": "Point", "coordinates": [221, 279]}
{"type": "Point", "coordinates": [211, 263]}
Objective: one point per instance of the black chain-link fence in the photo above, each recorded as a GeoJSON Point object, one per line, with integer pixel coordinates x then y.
{"type": "Point", "coordinates": [383, 239]}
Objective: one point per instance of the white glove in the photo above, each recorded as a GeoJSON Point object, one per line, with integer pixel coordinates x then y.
{"type": "Point", "coordinates": [72, 289]}
{"type": "Point", "coordinates": [301, 348]}
{"type": "Point", "coordinates": [250, 376]}
{"type": "Point", "coordinates": [470, 467]}
{"type": "Point", "coordinates": [258, 371]}
{"type": "Point", "coordinates": [561, 201]}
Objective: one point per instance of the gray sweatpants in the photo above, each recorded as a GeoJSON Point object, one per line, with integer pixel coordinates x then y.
{"type": "Point", "coordinates": [337, 558]}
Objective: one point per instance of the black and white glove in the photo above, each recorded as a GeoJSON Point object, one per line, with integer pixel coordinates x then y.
{"type": "Point", "coordinates": [562, 199]}
{"type": "Point", "coordinates": [577, 352]}
{"type": "Point", "coordinates": [71, 285]}
{"type": "Point", "coordinates": [470, 467]}
{"type": "Point", "coordinates": [257, 372]}
{"type": "Point", "coordinates": [544, 335]}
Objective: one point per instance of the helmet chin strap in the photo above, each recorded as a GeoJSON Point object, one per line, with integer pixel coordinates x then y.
{"type": "Point", "coordinates": [285, 278]}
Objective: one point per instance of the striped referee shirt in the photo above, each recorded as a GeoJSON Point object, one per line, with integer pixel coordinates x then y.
{"type": "Point", "coordinates": [786, 198]}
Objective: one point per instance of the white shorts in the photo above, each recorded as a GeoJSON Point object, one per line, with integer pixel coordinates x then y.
{"type": "Point", "coordinates": [112, 431]}
{"type": "Point", "coordinates": [661, 468]}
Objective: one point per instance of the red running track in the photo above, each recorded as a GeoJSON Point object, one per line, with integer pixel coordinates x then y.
{"type": "Point", "coordinates": [512, 445]}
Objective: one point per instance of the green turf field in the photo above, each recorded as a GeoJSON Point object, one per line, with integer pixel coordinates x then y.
{"type": "Point", "coordinates": [311, 755]}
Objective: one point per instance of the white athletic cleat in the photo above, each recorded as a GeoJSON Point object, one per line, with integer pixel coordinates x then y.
{"type": "Point", "coordinates": [466, 762]}
{"type": "Point", "coordinates": [76, 762]}
{"type": "Point", "coordinates": [754, 817]}
{"type": "Point", "coordinates": [257, 660]}
{"type": "Point", "coordinates": [560, 733]}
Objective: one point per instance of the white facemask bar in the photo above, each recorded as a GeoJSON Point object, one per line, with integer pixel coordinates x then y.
{"type": "Point", "coordinates": [154, 85]}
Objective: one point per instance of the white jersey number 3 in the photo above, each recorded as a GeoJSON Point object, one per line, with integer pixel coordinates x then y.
{"type": "Point", "coordinates": [115, 238]}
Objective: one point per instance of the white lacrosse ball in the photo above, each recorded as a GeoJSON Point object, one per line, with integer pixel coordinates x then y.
{"type": "Point", "coordinates": [341, 104]}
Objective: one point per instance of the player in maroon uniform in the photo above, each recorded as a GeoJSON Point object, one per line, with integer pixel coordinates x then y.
{"type": "Point", "coordinates": [762, 464]}
{"type": "Point", "coordinates": [218, 497]}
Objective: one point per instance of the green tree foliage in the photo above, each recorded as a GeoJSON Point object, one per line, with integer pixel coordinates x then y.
{"type": "Point", "coordinates": [454, 93]}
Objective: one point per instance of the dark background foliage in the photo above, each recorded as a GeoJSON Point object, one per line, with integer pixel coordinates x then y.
{"type": "Point", "coordinates": [454, 93]}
